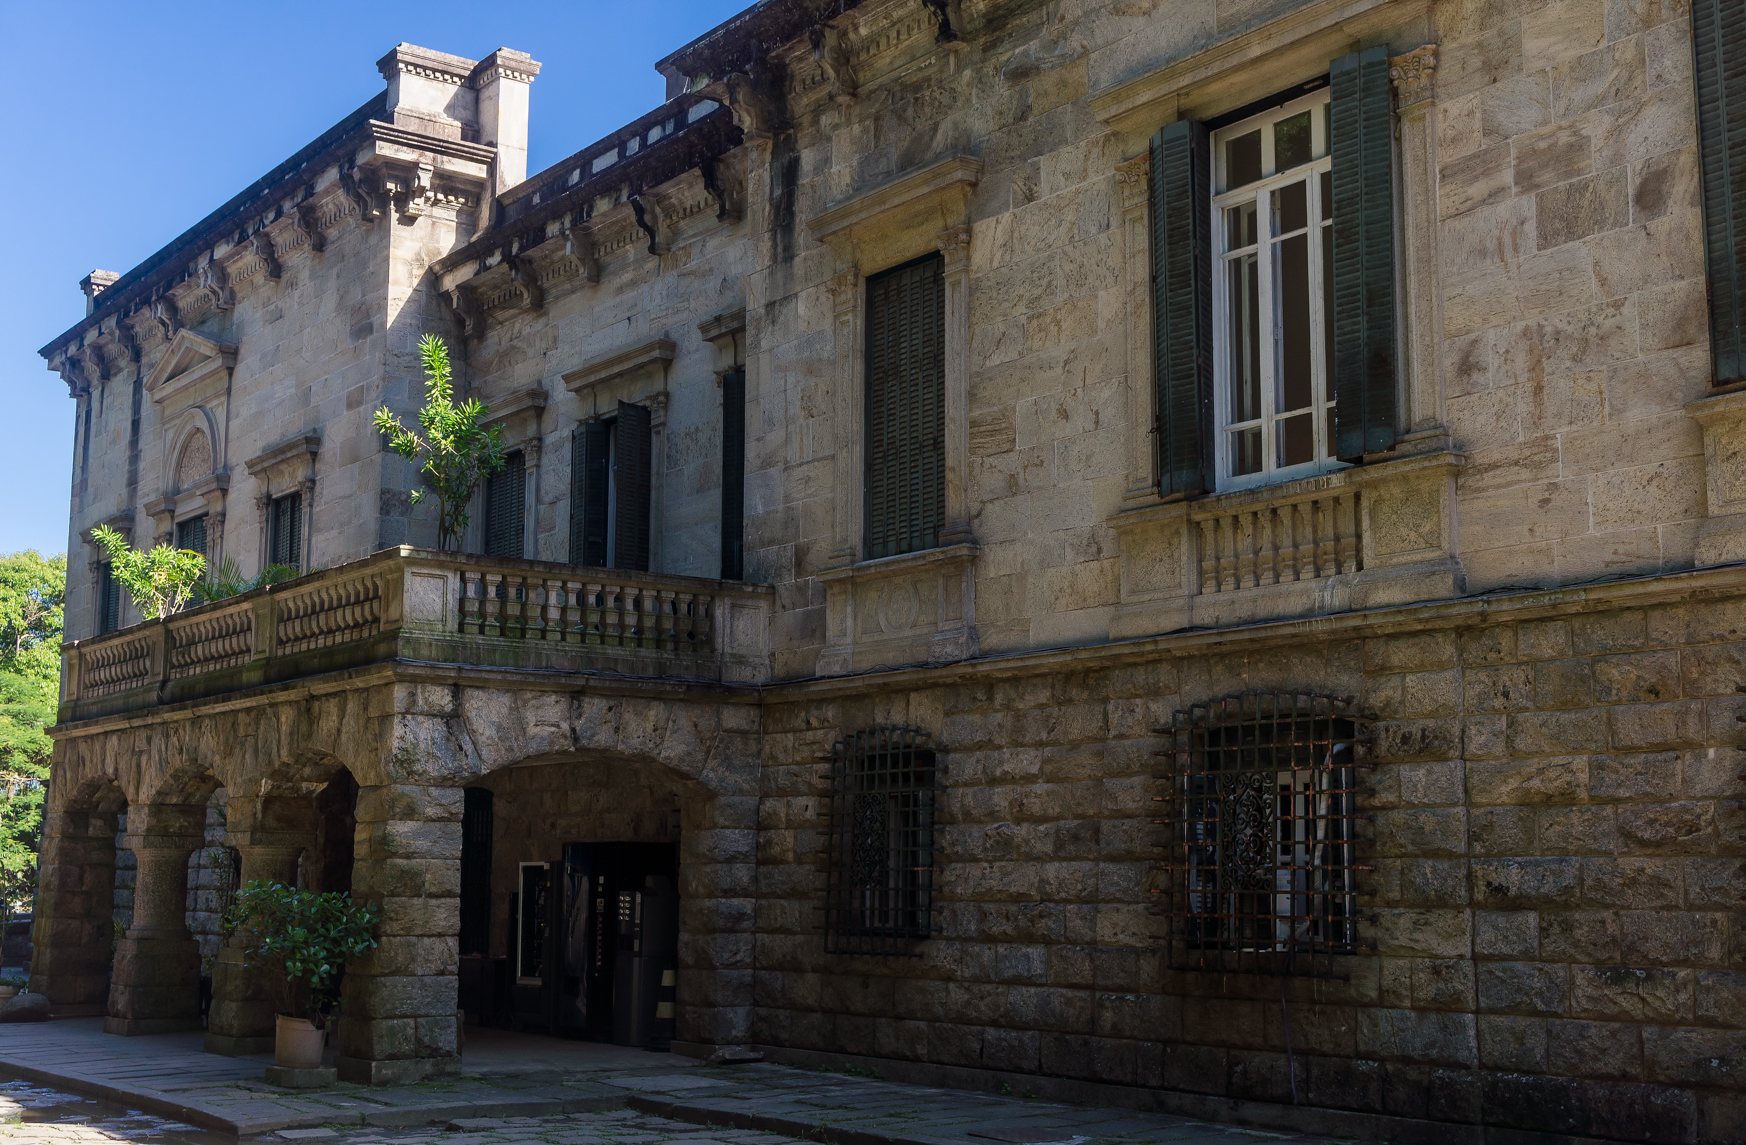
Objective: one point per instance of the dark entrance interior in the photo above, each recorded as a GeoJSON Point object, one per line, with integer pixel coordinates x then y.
{"type": "Point", "coordinates": [592, 939]}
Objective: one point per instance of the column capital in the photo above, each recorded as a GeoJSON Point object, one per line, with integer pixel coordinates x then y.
{"type": "Point", "coordinates": [1414, 76]}
{"type": "Point", "coordinates": [954, 244]}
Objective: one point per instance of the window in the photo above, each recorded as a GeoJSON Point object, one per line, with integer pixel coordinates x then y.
{"type": "Point", "coordinates": [610, 478]}
{"type": "Point", "coordinates": [733, 475]}
{"type": "Point", "coordinates": [505, 501]}
{"type": "Point", "coordinates": [905, 498]}
{"type": "Point", "coordinates": [191, 534]}
{"type": "Point", "coordinates": [285, 531]}
{"type": "Point", "coordinates": [1260, 814]}
{"type": "Point", "coordinates": [1719, 49]}
{"type": "Point", "coordinates": [1273, 229]}
{"type": "Point", "coordinates": [879, 885]}
{"type": "Point", "coordinates": [1273, 304]}
{"type": "Point", "coordinates": [108, 600]}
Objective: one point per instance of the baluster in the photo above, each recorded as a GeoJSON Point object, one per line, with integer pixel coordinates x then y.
{"type": "Point", "coordinates": [591, 621]}
{"type": "Point", "coordinates": [1326, 564]}
{"type": "Point", "coordinates": [703, 624]}
{"type": "Point", "coordinates": [1349, 548]}
{"type": "Point", "coordinates": [1209, 558]}
{"type": "Point", "coordinates": [669, 620]}
{"type": "Point", "coordinates": [685, 622]}
{"type": "Point", "coordinates": [1285, 545]}
{"type": "Point", "coordinates": [469, 602]}
{"type": "Point", "coordinates": [1227, 554]}
{"type": "Point", "coordinates": [515, 599]}
{"type": "Point", "coordinates": [612, 615]}
{"type": "Point", "coordinates": [492, 622]}
{"type": "Point", "coordinates": [1244, 526]}
{"type": "Point", "coordinates": [1267, 547]}
{"type": "Point", "coordinates": [572, 612]}
{"type": "Point", "coordinates": [1306, 539]}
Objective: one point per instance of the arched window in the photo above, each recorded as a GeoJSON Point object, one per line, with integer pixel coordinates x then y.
{"type": "Point", "coordinates": [1261, 808]}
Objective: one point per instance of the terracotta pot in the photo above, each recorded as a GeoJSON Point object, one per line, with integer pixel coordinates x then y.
{"type": "Point", "coordinates": [297, 1044]}
{"type": "Point", "coordinates": [7, 992]}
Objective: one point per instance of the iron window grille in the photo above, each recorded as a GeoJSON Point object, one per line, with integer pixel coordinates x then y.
{"type": "Point", "coordinates": [880, 876]}
{"type": "Point", "coordinates": [1261, 811]}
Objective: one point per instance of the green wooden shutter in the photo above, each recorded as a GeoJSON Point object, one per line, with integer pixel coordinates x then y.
{"type": "Point", "coordinates": [733, 475]}
{"type": "Point", "coordinates": [505, 502]}
{"type": "Point", "coordinates": [476, 839]}
{"type": "Point", "coordinates": [1719, 48]}
{"type": "Point", "coordinates": [589, 443]}
{"type": "Point", "coordinates": [285, 531]}
{"type": "Point", "coordinates": [632, 447]}
{"type": "Point", "coordinates": [191, 534]}
{"type": "Point", "coordinates": [108, 600]}
{"type": "Point", "coordinates": [1362, 308]}
{"type": "Point", "coordinates": [905, 492]}
{"type": "Point", "coordinates": [1182, 335]}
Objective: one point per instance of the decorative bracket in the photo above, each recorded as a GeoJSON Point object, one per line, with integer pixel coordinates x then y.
{"type": "Point", "coordinates": [830, 47]}
{"type": "Point", "coordinates": [728, 197]}
{"type": "Point", "coordinates": [215, 280]}
{"type": "Point", "coordinates": [527, 280]}
{"type": "Point", "coordinates": [579, 245]}
{"type": "Point", "coordinates": [308, 223]}
{"type": "Point", "coordinates": [647, 224]}
{"type": "Point", "coordinates": [262, 245]}
{"type": "Point", "coordinates": [167, 316]}
{"type": "Point", "coordinates": [949, 15]}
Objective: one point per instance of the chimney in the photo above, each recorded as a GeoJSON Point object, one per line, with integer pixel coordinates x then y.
{"type": "Point", "coordinates": [94, 284]}
{"type": "Point", "coordinates": [428, 92]}
{"type": "Point", "coordinates": [502, 79]}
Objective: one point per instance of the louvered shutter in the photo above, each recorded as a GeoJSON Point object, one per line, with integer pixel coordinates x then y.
{"type": "Point", "coordinates": [1362, 308]}
{"type": "Point", "coordinates": [632, 447]}
{"type": "Point", "coordinates": [191, 534]}
{"type": "Point", "coordinates": [505, 501]}
{"type": "Point", "coordinates": [733, 475]}
{"type": "Point", "coordinates": [1719, 48]}
{"type": "Point", "coordinates": [588, 476]}
{"type": "Point", "coordinates": [108, 600]}
{"type": "Point", "coordinates": [285, 531]}
{"type": "Point", "coordinates": [1182, 335]}
{"type": "Point", "coordinates": [905, 498]}
{"type": "Point", "coordinates": [476, 839]}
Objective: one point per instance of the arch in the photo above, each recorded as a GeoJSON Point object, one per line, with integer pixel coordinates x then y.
{"type": "Point", "coordinates": [180, 436]}
{"type": "Point", "coordinates": [195, 461]}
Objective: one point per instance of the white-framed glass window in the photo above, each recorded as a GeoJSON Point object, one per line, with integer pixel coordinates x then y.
{"type": "Point", "coordinates": [1273, 284]}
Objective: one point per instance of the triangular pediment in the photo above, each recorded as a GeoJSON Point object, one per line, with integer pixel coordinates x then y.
{"type": "Point", "coordinates": [188, 358]}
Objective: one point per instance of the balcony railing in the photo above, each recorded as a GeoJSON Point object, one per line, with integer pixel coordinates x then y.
{"type": "Point", "coordinates": [415, 605]}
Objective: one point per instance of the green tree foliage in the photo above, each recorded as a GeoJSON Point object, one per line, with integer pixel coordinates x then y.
{"type": "Point", "coordinates": [33, 592]}
{"type": "Point", "coordinates": [159, 580]}
{"type": "Point", "coordinates": [305, 938]}
{"type": "Point", "coordinates": [457, 450]}
{"type": "Point", "coordinates": [227, 580]}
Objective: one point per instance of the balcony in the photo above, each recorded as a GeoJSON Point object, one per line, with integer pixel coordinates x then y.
{"type": "Point", "coordinates": [416, 605]}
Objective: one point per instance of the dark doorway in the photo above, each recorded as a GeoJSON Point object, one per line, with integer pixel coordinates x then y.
{"type": "Point", "coordinates": [336, 822]}
{"type": "Point", "coordinates": [596, 943]}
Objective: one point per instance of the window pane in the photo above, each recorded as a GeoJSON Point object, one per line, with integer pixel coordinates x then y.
{"type": "Point", "coordinates": [1240, 226]}
{"type": "Point", "coordinates": [1297, 439]}
{"type": "Point", "coordinates": [1294, 391]}
{"type": "Point", "coordinates": [1243, 160]}
{"type": "Point", "coordinates": [1290, 208]}
{"type": "Point", "coordinates": [1246, 452]}
{"type": "Point", "coordinates": [1327, 230]}
{"type": "Point", "coordinates": [1327, 196]}
{"type": "Point", "coordinates": [1244, 342]}
{"type": "Point", "coordinates": [1291, 141]}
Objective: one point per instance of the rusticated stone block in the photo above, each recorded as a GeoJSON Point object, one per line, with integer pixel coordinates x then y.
{"type": "Point", "coordinates": [1685, 827]}
{"type": "Point", "coordinates": [1516, 781]}
{"type": "Point", "coordinates": [1579, 935]}
{"type": "Point", "coordinates": [1555, 733]}
{"type": "Point", "coordinates": [1652, 775]}
{"type": "Point", "coordinates": [1695, 1056]}
{"type": "Point", "coordinates": [1581, 830]}
{"type": "Point", "coordinates": [1673, 937]}
{"type": "Point", "coordinates": [1609, 631]}
{"type": "Point", "coordinates": [1641, 727]}
{"type": "Point", "coordinates": [1422, 933]}
{"type": "Point", "coordinates": [1503, 688]}
{"type": "Point", "coordinates": [1639, 677]}
{"type": "Point", "coordinates": [1501, 830]}
{"type": "Point", "coordinates": [1419, 653]}
{"type": "Point", "coordinates": [1632, 993]}
{"type": "Point", "coordinates": [1428, 1038]}
{"type": "Point", "coordinates": [1563, 684]}
{"type": "Point", "coordinates": [1536, 988]}
{"type": "Point", "coordinates": [1634, 884]}
{"type": "Point", "coordinates": [1506, 884]}
{"type": "Point", "coordinates": [1421, 831]}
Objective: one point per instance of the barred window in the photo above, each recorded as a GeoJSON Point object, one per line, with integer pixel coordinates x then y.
{"type": "Point", "coordinates": [1260, 814]}
{"type": "Point", "coordinates": [879, 885]}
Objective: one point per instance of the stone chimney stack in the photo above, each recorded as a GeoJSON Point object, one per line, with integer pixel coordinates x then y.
{"type": "Point", "coordinates": [94, 284]}
{"type": "Point", "coordinates": [502, 80]}
{"type": "Point", "coordinates": [428, 92]}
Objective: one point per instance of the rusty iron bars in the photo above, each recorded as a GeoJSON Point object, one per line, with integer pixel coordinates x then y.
{"type": "Point", "coordinates": [879, 881]}
{"type": "Point", "coordinates": [1260, 821]}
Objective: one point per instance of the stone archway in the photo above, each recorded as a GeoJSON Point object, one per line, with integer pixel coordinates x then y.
{"type": "Point", "coordinates": [73, 930]}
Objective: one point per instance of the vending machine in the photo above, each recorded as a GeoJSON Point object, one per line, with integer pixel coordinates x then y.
{"type": "Point", "coordinates": [648, 963]}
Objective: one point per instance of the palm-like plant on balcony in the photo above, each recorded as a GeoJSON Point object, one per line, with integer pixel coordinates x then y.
{"type": "Point", "coordinates": [458, 450]}
{"type": "Point", "coordinates": [159, 579]}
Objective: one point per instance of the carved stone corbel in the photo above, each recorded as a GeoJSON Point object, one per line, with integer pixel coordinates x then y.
{"type": "Point", "coordinates": [262, 244]}
{"type": "Point", "coordinates": [579, 245]}
{"type": "Point", "coordinates": [949, 15]}
{"type": "Point", "coordinates": [465, 305]}
{"type": "Point", "coordinates": [92, 362]}
{"type": "Point", "coordinates": [527, 281]}
{"type": "Point", "coordinates": [830, 47]}
{"type": "Point", "coordinates": [754, 101]}
{"type": "Point", "coordinates": [215, 281]}
{"type": "Point", "coordinates": [307, 221]}
{"type": "Point", "coordinates": [650, 225]}
{"type": "Point", "coordinates": [166, 316]}
{"type": "Point", "coordinates": [729, 196]}
{"type": "Point", "coordinates": [73, 373]}
{"type": "Point", "coordinates": [353, 185]}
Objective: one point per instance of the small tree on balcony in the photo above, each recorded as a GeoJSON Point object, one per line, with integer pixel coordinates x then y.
{"type": "Point", "coordinates": [457, 449]}
{"type": "Point", "coordinates": [159, 579]}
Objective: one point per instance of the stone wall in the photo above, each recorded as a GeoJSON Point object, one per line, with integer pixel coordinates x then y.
{"type": "Point", "coordinates": [1554, 849]}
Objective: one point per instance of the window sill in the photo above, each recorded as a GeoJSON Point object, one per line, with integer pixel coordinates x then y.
{"type": "Point", "coordinates": [915, 608]}
{"type": "Point", "coordinates": [946, 558]}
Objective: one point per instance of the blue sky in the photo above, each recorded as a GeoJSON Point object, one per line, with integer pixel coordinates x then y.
{"type": "Point", "coordinates": [131, 121]}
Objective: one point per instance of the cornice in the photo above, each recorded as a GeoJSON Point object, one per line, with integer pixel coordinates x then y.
{"type": "Point", "coordinates": [723, 325]}
{"type": "Point", "coordinates": [620, 363]}
{"type": "Point", "coordinates": [307, 445]}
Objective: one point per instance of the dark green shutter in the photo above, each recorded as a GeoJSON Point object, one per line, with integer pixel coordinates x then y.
{"type": "Point", "coordinates": [733, 475]}
{"type": "Point", "coordinates": [588, 459]}
{"type": "Point", "coordinates": [285, 531]}
{"type": "Point", "coordinates": [108, 600]}
{"type": "Point", "coordinates": [1362, 309]}
{"type": "Point", "coordinates": [476, 831]}
{"type": "Point", "coordinates": [505, 504]}
{"type": "Point", "coordinates": [905, 495]}
{"type": "Point", "coordinates": [1182, 334]}
{"type": "Point", "coordinates": [1719, 48]}
{"type": "Point", "coordinates": [191, 534]}
{"type": "Point", "coordinates": [632, 447]}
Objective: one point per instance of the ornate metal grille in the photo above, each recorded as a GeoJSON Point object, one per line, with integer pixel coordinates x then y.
{"type": "Point", "coordinates": [1260, 820]}
{"type": "Point", "coordinates": [879, 882]}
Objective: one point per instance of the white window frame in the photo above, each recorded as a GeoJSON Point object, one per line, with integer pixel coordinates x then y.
{"type": "Point", "coordinates": [1259, 192]}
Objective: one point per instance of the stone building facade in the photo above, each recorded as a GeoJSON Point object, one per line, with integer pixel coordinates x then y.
{"type": "Point", "coordinates": [1186, 554]}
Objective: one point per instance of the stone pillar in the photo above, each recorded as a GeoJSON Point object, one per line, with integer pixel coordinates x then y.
{"type": "Point", "coordinates": [1415, 96]}
{"type": "Point", "coordinates": [718, 872]}
{"type": "Point", "coordinates": [240, 1020]}
{"type": "Point", "coordinates": [400, 1000]}
{"type": "Point", "coordinates": [75, 900]}
{"type": "Point", "coordinates": [954, 247]}
{"type": "Point", "coordinates": [156, 985]}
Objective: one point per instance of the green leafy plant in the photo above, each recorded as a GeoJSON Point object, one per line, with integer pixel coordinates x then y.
{"type": "Point", "coordinates": [227, 580]}
{"type": "Point", "coordinates": [16, 981]}
{"type": "Point", "coordinates": [457, 449]}
{"type": "Point", "coordinates": [160, 580]}
{"type": "Point", "coordinates": [303, 938]}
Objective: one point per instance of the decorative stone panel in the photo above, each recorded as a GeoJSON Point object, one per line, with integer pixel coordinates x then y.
{"type": "Point", "coordinates": [1722, 537]}
{"type": "Point", "coordinates": [909, 609]}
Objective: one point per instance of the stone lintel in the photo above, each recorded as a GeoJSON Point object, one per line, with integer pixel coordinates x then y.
{"type": "Point", "coordinates": [304, 447]}
{"type": "Point", "coordinates": [902, 218]}
{"type": "Point", "coordinates": [655, 351]}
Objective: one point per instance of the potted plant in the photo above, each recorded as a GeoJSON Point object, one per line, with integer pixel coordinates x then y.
{"type": "Point", "coordinates": [11, 985]}
{"type": "Point", "coordinates": [302, 939]}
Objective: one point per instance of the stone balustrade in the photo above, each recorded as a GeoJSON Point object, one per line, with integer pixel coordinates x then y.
{"type": "Point", "coordinates": [1256, 546]}
{"type": "Point", "coordinates": [416, 605]}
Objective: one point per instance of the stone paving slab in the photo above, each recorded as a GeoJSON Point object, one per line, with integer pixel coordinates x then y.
{"type": "Point", "coordinates": [167, 1076]}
